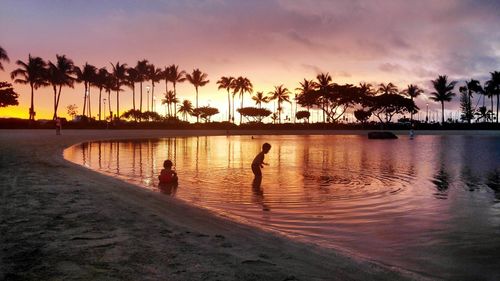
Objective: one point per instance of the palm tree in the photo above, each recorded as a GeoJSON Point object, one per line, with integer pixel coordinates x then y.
{"type": "Point", "coordinates": [132, 78]}
{"type": "Point", "coordinates": [198, 79]}
{"type": "Point", "coordinates": [494, 83]}
{"type": "Point", "coordinates": [472, 86]}
{"type": "Point", "coordinates": [323, 87]}
{"type": "Point", "coordinates": [167, 75]}
{"type": "Point", "coordinates": [31, 73]}
{"type": "Point", "coordinates": [60, 75]}
{"type": "Point", "coordinates": [412, 91]}
{"type": "Point", "coordinates": [120, 75]}
{"type": "Point", "coordinates": [169, 100]}
{"type": "Point", "coordinates": [176, 76]}
{"type": "Point", "coordinates": [155, 75]}
{"type": "Point", "coordinates": [281, 94]}
{"type": "Point", "coordinates": [242, 85]}
{"type": "Point", "coordinates": [387, 89]}
{"type": "Point", "coordinates": [305, 90]}
{"type": "Point", "coordinates": [185, 109]}
{"type": "Point", "coordinates": [110, 85]}
{"type": "Point", "coordinates": [142, 69]}
{"type": "Point", "coordinates": [259, 98]}
{"type": "Point", "coordinates": [87, 76]}
{"type": "Point", "coordinates": [3, 57]}
{"type": "Point", "coordinates": [226, 83]}
{"type": "Point", "coordinates": [101, 80]}
{"type": "Point", "coordinates": [443, 92]}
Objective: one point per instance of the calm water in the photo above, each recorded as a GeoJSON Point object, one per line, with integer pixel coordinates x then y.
{"type": "Point", "coordinates": [428, 204]}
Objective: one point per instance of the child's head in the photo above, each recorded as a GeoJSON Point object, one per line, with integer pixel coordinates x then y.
{"type": "Point", "coordinates": [266, 147]}
{"type": "Point", "coordinates": [167, 164]}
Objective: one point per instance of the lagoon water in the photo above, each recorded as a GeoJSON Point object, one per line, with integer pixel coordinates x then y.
{"type": "Point", "coordinates": [427, 205]}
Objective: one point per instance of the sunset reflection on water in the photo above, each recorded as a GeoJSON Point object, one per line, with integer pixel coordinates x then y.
{"type": "Point", "coordinates": [427, 204]}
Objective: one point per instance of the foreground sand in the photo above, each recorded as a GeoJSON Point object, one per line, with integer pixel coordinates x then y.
{"type": "Point", "coordinates": [59, 220]}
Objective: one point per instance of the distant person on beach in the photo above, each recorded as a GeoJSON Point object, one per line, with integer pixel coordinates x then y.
{"type": "Point", "coordinates": [58, 126]}
{"type": "Point", "coordinates": [167, 175]}
{"type": "Point", "coordinates": [258, 161]}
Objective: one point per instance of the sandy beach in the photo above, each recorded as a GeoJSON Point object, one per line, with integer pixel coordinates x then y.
{"type": "Point", "coordinates": [59, 220]}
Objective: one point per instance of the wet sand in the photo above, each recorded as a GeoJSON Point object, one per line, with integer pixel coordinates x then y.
{"type": "Point", "coordinates": [59, 220]}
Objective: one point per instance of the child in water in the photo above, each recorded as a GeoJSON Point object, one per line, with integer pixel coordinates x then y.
{"type": "Point", "coordinates": [167, 175]}
{"type": "Point", "coordinates": [258, 161]}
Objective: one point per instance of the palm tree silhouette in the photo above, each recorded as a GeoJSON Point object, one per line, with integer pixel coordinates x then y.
{"type": "Point", "coordinates": [3, 57]}
{"type": "Point", "coordinates": [472, 86]}
{"type": "Point", "coordinates": [259, 98]}
{"type": "Point", "coordinates": [176, 76]}
{"type": "Point", "coordinates": [110, 85]}
{"type": "Point", "coordinates": [242, 85]}
{"type": "Point", "coordinates": [87, 76]}
{"type": "Point", "coordinates": [100, 82]}
{"type": "Point", "coordinates": [142, 69]}
{"type": "Point", "coordinates": [226, 83]}
{"type": "Point", "coordinates": [31, 73]}
{"type": "Point", "coordinates": [494, 84]}
{"type": "Point", "coordinates": [132, 78]}
{"type": "Point", "coordinates": [323, 87]}
{"type": "Point", "coordinates": [185, 109]}
{"type": "Point", "coordinates": [412, 91]}
{"type": "Point", "coordinates": [59, 74]}
{"type": "Point", "coordinates": [198, 79]}
{"type": "Point", "coordinates": [169, 99]}
{"type": "Point", "coordinates": [387, 89]}
{"type": "Point", "coordinates": [119, 73]}
{"type": "Point", "coordinates": [280, 93]}
{"type": "Point", "coordinates": [155, 75]}
{"type": "Point", "coordinates": [304, 92]}
{"type": "Point", "coordinates": [443, 92]}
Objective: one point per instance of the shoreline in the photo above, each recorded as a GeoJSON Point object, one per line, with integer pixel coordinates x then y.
{"type": "Point", "coordinates": [61, 220]}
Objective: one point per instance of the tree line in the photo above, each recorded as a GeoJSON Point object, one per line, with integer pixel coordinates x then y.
{"type": "Point", "coordinates": [383, 101]}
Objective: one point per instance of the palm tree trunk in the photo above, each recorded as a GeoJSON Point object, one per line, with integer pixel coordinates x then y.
{"type": "Point", "coordinates": [152, 94]}
{"type": "Point", "coordinates": [140, 102]}
{"type": "Point", "coordinates": [85, 99]}
{"type": "Point", "coordinates": [492, 109]}
{"type": "Point", "coordinates": [498, 102]}
{"type": "Point", "coordinates": [228, 106]}
{"type": "Point", "coordinates": [279, 112]}
{"type": "Point", "coordinates": [234, 94]}
{"type": "Point", "coordinates": [32, 107]}
{"type": "Point", "coordinates": [118, 103]}
{"type": "Point", "coordinates": [100, 100]}
{"type": "Point", "coordinates": [197, 116]}
{"type": "Point", "coordinates": [90, 112]}
{"type": "Point", "coordinates": [442, 112]}
{"type": "Point", "coordinates": [133, 96]}
{"type": "Point", "coordinates": [109, 105]}
{"type": "Point", "coordinates": [175, 103]}
{"type": "Point", "coordinates": [241, 95]}
{"type": "Point", "coordinates": [55, 102]}
{"type": "Point", "coordinates": [58, 98]}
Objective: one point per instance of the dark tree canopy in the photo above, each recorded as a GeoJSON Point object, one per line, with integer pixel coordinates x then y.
{"type": "Point", "coordinates": [254, 114]}
{"type": "Point", "coordinates": [7, 95]}
{"type": "Point", "coordinates": [303, 114]}
{"type": "Point", "coordinates": [205, 112]}
{"type": "Point", "coordinates": [385, 106]}
{"type": "Point", "coordinates": [362, 115]}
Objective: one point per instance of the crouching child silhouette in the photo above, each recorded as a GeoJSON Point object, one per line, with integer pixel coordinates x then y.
{"type": "Point", "coordinates": [258, 161]}
{"type": "Point", "coordinates": [167, 175]}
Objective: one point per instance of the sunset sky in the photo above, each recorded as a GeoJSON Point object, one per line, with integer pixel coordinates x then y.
{"type": "Point", "coordinates": [271, 42]}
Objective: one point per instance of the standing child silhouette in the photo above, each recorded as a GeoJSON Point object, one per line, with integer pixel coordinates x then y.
{"type": "Point", "coordinates": [258, 161]}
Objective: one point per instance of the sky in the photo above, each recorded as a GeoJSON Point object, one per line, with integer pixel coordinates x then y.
{"type": "Point", "coordinates": [272, 42]}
